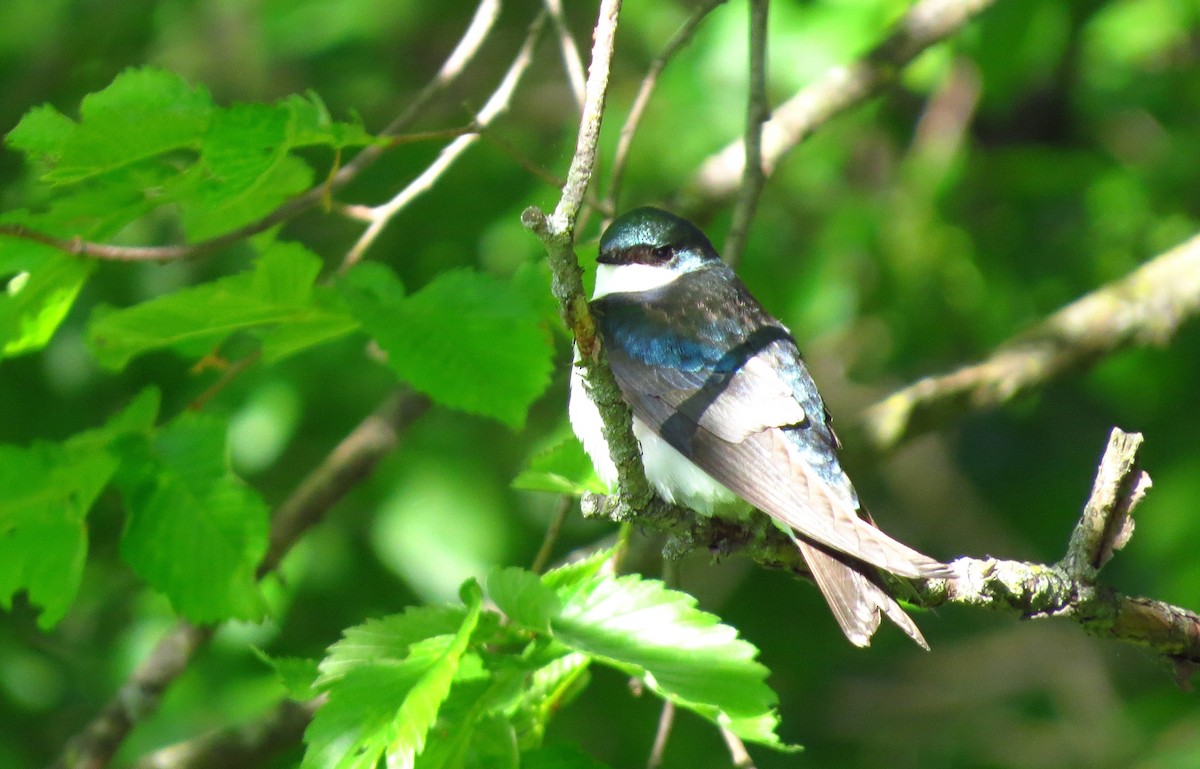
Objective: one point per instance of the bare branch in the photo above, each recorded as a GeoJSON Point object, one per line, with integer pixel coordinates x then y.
{"type": "Point", "coordinates": [498, 102]}
{"type": "Point", "coordinates": [137, 698]}
{"type": "Point", "coordinates": [666, 721]}
{"type": "Point", "coordinates": [682, 37]}
{"type": "Point", "coordinates": [836, 91]}
{"type": "Point", "coordinates": [252, 745]}
{"type": "Point", "coordinates": [1145, 307]}
{"type": "Point", "coordinates": [468, 46]}
{"type": "Point", "coordinates": [349, 462]}
{"type": "Point", "coordinates": [758, 110]}
{"type": "Point", "coordinates": [570, 52]}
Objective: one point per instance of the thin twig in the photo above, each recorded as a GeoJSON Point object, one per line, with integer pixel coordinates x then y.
{"type": "Point", "coordinates": [232, 372]}
{"type": "Point", "coordinates": [349, 462]}
{"type": "Point", "coordinates": [758, 110]}
{"type": "Point", "coordinates": [837, 90]}
{"type": "Point", "coordinates": [498, 102]}
{"type": "Point", "coordinates": [682, 37]}
{"type": "Point", "coordinates": [738, 754]}
{"type": "Point", "coordinates": [666, 720]}
{"type": "Point", "coordinates": [464, 52]}
{"type": "Point", "coordinates": [1145, 307]}
{"type": "Point", "coordinates": [552, 531]}
{"type": "Point", "coordinates": [572, 61]}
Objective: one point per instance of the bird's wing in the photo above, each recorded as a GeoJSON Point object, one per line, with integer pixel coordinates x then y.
{"type": "Point", "coordinates": [749, 432]}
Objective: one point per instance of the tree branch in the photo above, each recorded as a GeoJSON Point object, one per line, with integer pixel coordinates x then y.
{"type": "Point", "coordinates": [682, 37]}
{"type": "Point", "coordinates": [248, 746]}
{"type": "Point", "coordinates": [557, 233]}
{"type": "Point", "coordinates": [572, 62]}
{"type": "Point", "coordinates": [349, 462]}
{"type": "Point", "coordinates": [758, 110]}
{"type": "Point", "coordinates": [838, 90]}
{"type": "Point", "coordinates": [1145, 307]}
{"type": "Point", "coordinates": [379, 216]}
{"type": "Point", "coordinates": [481, 24]}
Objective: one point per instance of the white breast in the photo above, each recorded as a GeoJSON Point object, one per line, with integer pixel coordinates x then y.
{"type": "Point", "coordinates": [672, 475]}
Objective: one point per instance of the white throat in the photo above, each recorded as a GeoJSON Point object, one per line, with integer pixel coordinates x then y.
{"type": "Point", "coordinates": [631, 278]}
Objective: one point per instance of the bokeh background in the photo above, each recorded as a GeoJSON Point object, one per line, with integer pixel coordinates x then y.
{"type": "Point", "coordinates": [1048, 149]}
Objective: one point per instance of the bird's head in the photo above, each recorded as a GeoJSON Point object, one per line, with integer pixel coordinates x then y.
{"type": "Point", "coordinates": [646, 248]}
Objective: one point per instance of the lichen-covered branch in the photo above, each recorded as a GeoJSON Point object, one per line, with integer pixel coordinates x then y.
{"type": "Point", "coordinates": [1030, 590]}
{"type": "Point", "coordinates": [557, 233]}
{"type": "Point", "coordinates": [836, 91]}
{"type": "Point", "coordinates": [1145, 307]}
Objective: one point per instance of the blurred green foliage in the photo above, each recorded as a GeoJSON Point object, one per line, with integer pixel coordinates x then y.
{"type": "Point", "coordinates": [1047, 149]}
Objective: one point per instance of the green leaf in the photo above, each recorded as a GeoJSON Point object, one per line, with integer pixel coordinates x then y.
{"type": "Point", "coordinates": [684, 654]}
{"type": "Point", "coordinates": [467, 340]}
{"type": "Point", "coordinates": [142, 113]}
{"type": "Point", "coordinates": [389, 638]}
{"type": "Point", "coordinates": [309, 123]}
{"type": "Point", "coordinates": [278, 293]}
{"type": "Point", "coordinates": [561, 469]}
{"type": "Point", "coordinates": [41, 132]}
{"type": "Point", "coordinates": [388, 706]}
{"type": "Point", "coordinates": [194, 530]}
{"type": "Point", "coordinates": [46, 491]}
{"type": "Point", "coordinates": [521, 595]}
{"type": "Point", "coordinates": [297, 674]}
{"type": "Point", "coordinates": [576, 573]}
{"type": "Point", "coordinates": [38, 297]}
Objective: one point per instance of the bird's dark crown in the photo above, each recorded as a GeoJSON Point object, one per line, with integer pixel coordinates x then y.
{"type": "Point", "coordinates": [650, 235]}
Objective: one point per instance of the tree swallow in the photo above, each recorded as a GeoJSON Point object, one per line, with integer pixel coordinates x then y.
{"type": "Point", "coordinates": [725, 410]}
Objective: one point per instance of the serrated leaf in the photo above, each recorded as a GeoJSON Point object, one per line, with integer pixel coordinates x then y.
{"type": "Point", "coordinates": [684, 654]}
{"type": "Point", "coordinates": [194, 531]}
{"type": "Point", "coordinates": [578, 572]}
{"type": "Point", "coordinates": [467, 340]}
{"type": "Point", "coordinates": [41, 132]}
{"type": "Point", "coordinates": [209, 210]}
{"type": "Point", "coordinates": [387, 707]}
{"type": "Point", "coordinates": [310, 123]}
{"type": "Point", "coordinates": [297, 674]}
{"type": "Point", "coordinates": [278, 292]}
{"type": "Point", "coordinates": [389, 638]}
{"type": "Point", "coordinates": [46, 491]}
{"type": "Point", "coordinates": [561, 469]}
{"type": "Point", "coordinates": [142, 113]}
{"type": "Point", "coordinates": [522, 597]}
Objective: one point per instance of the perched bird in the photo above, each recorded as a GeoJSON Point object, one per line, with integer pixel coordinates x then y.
{"type": "Point", "coordinates": [725, 410]}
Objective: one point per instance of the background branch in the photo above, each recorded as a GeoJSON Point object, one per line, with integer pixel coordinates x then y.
{"type": "Point", "coordinates": [758, 110]}
{"type": "Point", "coordinates": [248, 746]}
{"type": "Point", "coordinates": [1145, 307]}
{"type": "Point", "coordinates": [682, 37]}
{"type": "Point", "coordinates": [839, 89]}
{"type": "Point", "coordinates": [379, 216]}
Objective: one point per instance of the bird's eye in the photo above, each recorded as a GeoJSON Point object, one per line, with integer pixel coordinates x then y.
{"type": "Point", "coordinates": [662, 254]}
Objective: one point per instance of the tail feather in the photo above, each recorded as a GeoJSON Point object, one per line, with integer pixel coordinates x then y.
{"type": "Point", "coordinates": [856, 600]}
